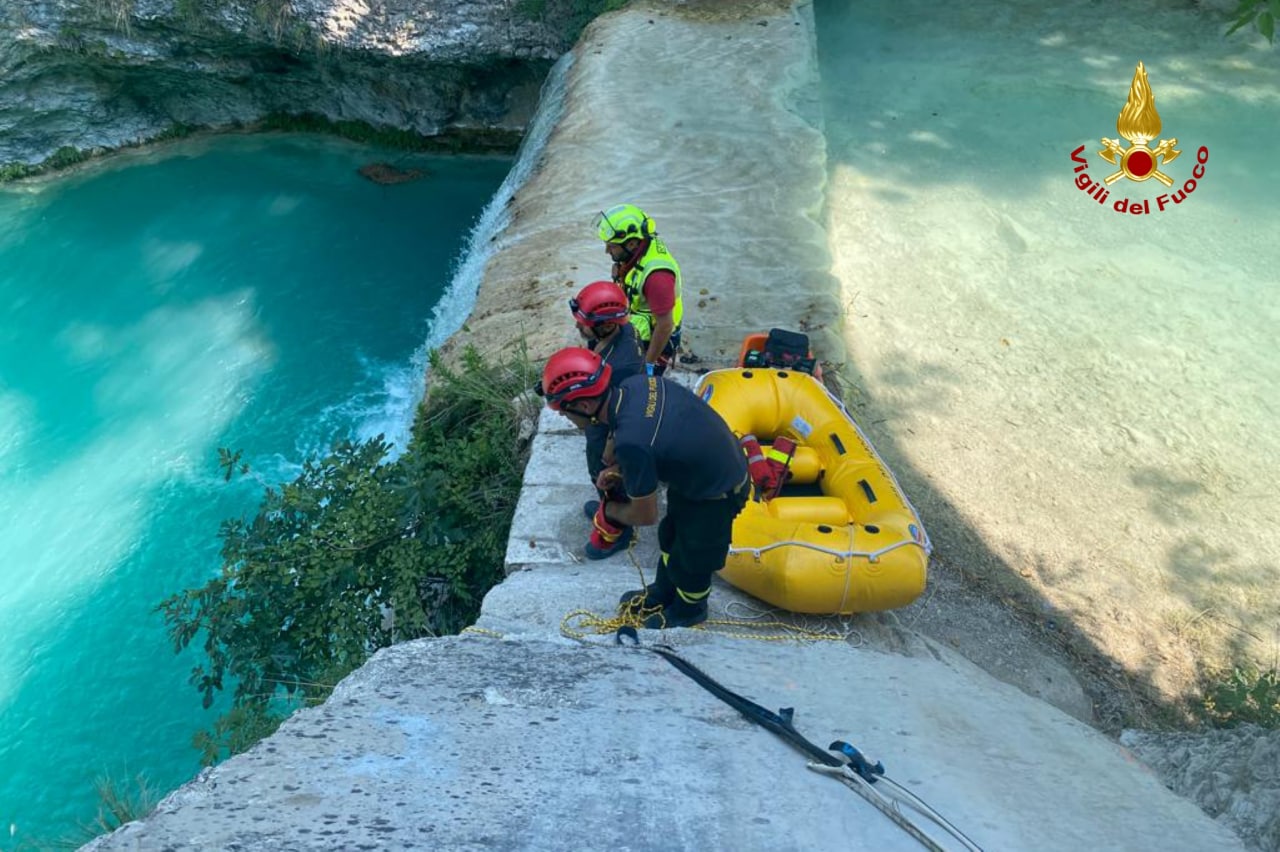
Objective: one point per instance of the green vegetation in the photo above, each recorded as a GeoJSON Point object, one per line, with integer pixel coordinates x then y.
{"type": "Point", "coordinates": [358, 553]}
{"type": "Point", "coordinates": [1263, 14]}
{"type": "Point", "coordinates": [176, 130]}
{"type": "Point", "coordinates": [115, 13]}
{"type": "Point", "coordinates": [118, 803]}
{"type": "Point", "coordinates": [64, 157]}
{"type": "Point", "coordinates": [273, 17]}
{"type": "Point", "coordinates": [472, 141]}
{"type": "Point", "coordinates": [1249, 694]}
{"type": "Point", "coordinates": [275, 20]}
{"type": "Point", "coordinates": [16, 171]}
{"type": "Point", "coordinates": [581, 12]}
{"type": "Point", "coordinates": [69, 155]}
{"type": "Point", "coordinates": [272, 21]}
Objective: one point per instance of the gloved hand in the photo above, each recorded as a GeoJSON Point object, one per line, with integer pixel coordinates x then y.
{"type": "Point", "coordinates": [603, 531]}
{"type": "Point", "coordinates": [779, 456]}
{"type": "Point", "coordinates": [609, 478]}
{"type": "Point", "coordinates": [763, 474]}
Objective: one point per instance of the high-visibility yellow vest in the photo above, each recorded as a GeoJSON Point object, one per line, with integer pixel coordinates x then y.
{"type": "Point", "coordinates": [657, 257]}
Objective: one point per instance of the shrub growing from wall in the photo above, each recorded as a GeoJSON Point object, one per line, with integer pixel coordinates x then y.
{"type": "Point", "coordinates": [359, 552]}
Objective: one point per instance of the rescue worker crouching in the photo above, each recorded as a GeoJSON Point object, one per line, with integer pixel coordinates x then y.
{"type": "Point", "coordinates": [662, 433]}
{"type": "Point", "coordinates": [602, 316]}
{"type": "Point", "coordinates": [650, 276]}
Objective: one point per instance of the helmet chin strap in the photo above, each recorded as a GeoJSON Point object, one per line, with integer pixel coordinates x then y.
{"type": "Point", "coordinates": [600, 335]}
{"type": "Point", "coordinates": [632, 254]}
{"type": "Point", "coordinates": [595, 415]}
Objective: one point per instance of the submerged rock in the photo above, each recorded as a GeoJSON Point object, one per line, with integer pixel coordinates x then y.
{"type": "Point", "coordinates": [386, 173]}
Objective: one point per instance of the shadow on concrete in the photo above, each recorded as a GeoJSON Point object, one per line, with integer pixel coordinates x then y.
{"type": "Point", "coordinates": [1032, 84]}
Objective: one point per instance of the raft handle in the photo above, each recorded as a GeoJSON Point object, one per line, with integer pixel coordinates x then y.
{"type": "Point", "coordinates": [872, 528]}
{"type": "Point", "coordinates": [866, 489]}
{"type": "Point", "coordinates": [835, 439]}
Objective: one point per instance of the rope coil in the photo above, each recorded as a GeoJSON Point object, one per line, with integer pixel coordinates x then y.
{"type": "Point", "coordinates": [581, 623]}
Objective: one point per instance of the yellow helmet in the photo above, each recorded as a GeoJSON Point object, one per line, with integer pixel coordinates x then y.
{"type": "Point", "coordinates": [623, 222]}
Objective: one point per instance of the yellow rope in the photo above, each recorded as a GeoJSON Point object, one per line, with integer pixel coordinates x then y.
{"type": "Point", "coordinates": [581, 623]}
{"type": "Point", "coordinates": [594, 623]}
{"type": "Point", "coordinates": [483, 631]}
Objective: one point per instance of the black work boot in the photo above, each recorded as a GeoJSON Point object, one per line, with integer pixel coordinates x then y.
{"type": "Point", "coordinates": [658, 593]}
{"type": "Point", "coordinates": [678, 613]}
{"type": "Point", "coordinates": [651, 596]}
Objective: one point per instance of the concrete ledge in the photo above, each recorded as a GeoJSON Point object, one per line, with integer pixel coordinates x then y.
{"type": "Point", "coordinates": [476, 743]}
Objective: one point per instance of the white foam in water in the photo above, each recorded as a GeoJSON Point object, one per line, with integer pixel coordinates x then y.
{"type": "Point", "coordinates": [83, 517]}
{"type": "Point", "coordinates": [404, 387]}
{"type": "Point", "coordinates": [15, 419]}
{"type": "Point", "coordinates": [387, 415]}
{"type": "Point", "coordinates": [385, 411]}
{"type": "Point", "coordinates": [282, 205]}
{"type": "Point", "coordinates": [84, 342]}
{"type": "Point", "coordinates": [167, 259]}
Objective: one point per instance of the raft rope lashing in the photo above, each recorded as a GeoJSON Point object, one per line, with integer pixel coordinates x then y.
{"type": "Point", "coordinates": [869, 555]}
{"type": "Point", "coordinates": [848, 571]}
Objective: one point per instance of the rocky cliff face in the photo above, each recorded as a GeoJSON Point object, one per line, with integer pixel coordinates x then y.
{"type": "Point", "coordinates": [95, 74]}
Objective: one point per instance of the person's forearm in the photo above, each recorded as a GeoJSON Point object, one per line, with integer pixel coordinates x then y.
{"type": "Point", "coordinates": [663, 327]}
{"type": "Point", "coordinates": [633, 514]}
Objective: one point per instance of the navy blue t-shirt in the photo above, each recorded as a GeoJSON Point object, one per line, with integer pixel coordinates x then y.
{"type": "Point", "coordinates": [662, 432]}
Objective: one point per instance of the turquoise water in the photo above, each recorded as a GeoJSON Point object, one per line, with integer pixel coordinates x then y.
{"type": "Point", "coordinates": [244, 292]}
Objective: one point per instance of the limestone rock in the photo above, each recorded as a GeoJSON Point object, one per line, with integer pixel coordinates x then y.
{"type": "Point", "coordinates": [97, 74]}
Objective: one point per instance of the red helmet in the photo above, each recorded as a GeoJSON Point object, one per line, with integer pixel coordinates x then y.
{"type": "Point", "coordinates": [574, 373]}
{"type": "Point", "coordinates": [598, 303]}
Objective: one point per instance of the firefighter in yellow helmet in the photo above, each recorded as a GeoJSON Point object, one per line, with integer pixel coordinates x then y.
{"type": "Point", "coordinates": [650, 276]}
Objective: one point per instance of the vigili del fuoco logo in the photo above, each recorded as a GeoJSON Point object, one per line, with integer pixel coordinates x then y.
{"type": "Point", "coordinates": [1139, 123]}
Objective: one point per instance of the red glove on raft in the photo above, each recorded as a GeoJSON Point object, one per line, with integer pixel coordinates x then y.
{"type": "Point", "coordinates": [768, 468]}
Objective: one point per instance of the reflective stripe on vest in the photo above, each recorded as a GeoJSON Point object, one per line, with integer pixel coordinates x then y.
{"type": "Point", "coordinates": [655, 258]}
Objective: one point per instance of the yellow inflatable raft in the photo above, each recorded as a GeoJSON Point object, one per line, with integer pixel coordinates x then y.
{"type": "Point", "coordinates": [854, 543]}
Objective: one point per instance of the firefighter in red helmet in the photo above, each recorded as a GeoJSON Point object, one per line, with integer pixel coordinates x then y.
{"type": "Point", "coordinates": [661, 433]}
{"type": "Point", "coordinates": [602, 315]}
